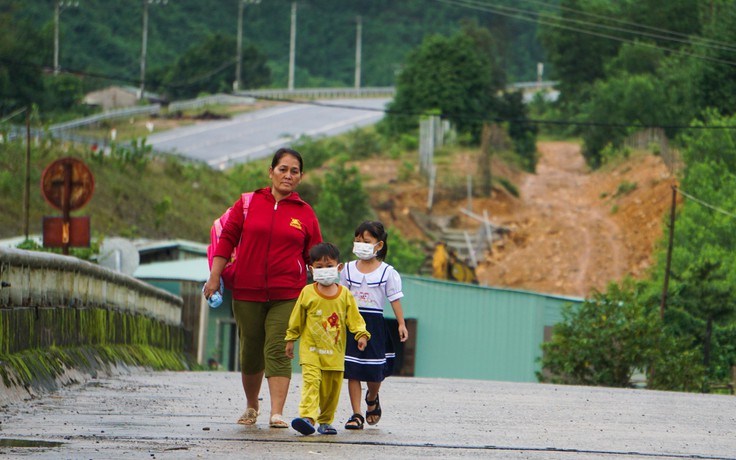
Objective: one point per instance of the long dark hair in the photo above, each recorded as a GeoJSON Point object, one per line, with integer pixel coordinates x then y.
{"type": "Point", "coordinates": [376, 229]}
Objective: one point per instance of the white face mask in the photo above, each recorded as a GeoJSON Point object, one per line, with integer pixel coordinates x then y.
{"type": "Point", "coordinates": [364, 251]}
{"type": "Point", "coordinates": [325, 276]}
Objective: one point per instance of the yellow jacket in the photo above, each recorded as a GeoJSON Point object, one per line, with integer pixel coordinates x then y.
{"type": "Point", "coordinates": [322, 323]}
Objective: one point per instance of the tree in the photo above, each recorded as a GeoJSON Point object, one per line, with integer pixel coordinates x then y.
{"type": "Point", "coordinates": [577, 59]}
{"type": "Point", "coordinates": [608, 337]}
{"type": "Point", "coordinates": [342, 205]}
{"type": "Point", "coordinates": [703, 265]}
{"type": "Point", "coordinates": [618, 102]}
{"type": "Point", "coordinates": [447, 74]}
{"type": "Point", "coordinates": [717, 80]}
{"type": "Point", "coordinates": [704, 292]}
{"type": "Point", "coordinates": [21, 60]}
{"type": "Point", "coordinates": [523, 134]}
{"type": "Point", "coordinates": [208, 68]}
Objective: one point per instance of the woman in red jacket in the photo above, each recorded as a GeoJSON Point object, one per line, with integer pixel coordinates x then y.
{"type": "Point", "coordinates": [270, 271]}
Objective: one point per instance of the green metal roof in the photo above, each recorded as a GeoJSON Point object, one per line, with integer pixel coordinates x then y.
{"type": "Point", "coordinates": [180, 270]}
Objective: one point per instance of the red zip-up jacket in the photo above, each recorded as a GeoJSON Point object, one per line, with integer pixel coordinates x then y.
{"type": "Point", "coordinates": [272, 259]}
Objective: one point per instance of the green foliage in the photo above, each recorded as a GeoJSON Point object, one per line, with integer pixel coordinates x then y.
{"type": "Point", "coordinates": [138, 155]}
{"type": "Point", "coordinates": [80, 253]}
{"type": "Point", "coordinates": [104, 37]}
{"type": "Point", "coordinates": [208, 68]}
{"type": "Point", "coordinates": [618, 101]}
{"type": "Point", "coordinates": [63, 93]}
{"type": "Point", "coordinates": [577, 58]}
{"type": "Point", "coordinates": [509, 186]}
{"type": "Point", "coordinates": [342, 205]}
{"type": "Point", "coordinates": [702, 299]}
{"type": "Point", "coordinates": [461, 85]}
{"type": "Point", "coordinates": [21, 56]}
{"type": "Point", "coordinates": [624, 188]}
{"type": "Point", "coordinates": [608, 337]}
{"type": "Point", "coordinates": [126, 193]}
{"type": "Point", "coordinates": [406, 256]}
{"type": "Point", "coordinates": [522, 133]}
{"type": "Point", "coordinates": [716, 81]}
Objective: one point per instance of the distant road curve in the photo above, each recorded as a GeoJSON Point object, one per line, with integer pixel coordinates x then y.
{"type": "Point", "coordinates": [254, 135]}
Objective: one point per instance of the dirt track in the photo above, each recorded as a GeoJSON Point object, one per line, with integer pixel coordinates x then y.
{"type": "Point", "coordinates": [573, 230]}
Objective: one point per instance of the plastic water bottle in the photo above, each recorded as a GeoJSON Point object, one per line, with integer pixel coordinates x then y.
{"type": "Point", "coordinates": [215, 299]}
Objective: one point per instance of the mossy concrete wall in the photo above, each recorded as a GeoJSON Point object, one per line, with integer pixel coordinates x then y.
{"type": "Point", "coordinates": [64, 320]}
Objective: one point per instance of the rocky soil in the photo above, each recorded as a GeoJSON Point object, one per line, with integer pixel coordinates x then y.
{"type": "Point", "coordinates": [572, 231]}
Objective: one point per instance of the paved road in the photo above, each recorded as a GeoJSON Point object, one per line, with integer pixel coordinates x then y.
{"type": "Point", "coordinates": [257, 134]}
{"type": "Point", "coordinates": [192, 415]}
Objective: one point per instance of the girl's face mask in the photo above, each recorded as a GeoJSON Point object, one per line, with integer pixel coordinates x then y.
{"type": "Point", "coordinates": [364, 251]}
{"type": "Point", "coordinates": [326, 276]}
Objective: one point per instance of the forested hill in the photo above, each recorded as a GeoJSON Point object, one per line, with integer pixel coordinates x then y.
{"type": "Point", "coordinates": [104, 36]}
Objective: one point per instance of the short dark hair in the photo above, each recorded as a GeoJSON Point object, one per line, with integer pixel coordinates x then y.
{"type": "Point", "coordinates": [324, 250]}
{"type": "Point", "coordinates": [376, 229]}
{"type": "Point", "coordinates": [283, 151]}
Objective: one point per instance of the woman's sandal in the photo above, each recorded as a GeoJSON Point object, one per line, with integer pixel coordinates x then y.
{"type": "Point", "coordinates": [277, 421]}
{"type": "Point", "coordinates": [249, 417]}
{"type": "Point", "coordinates": [376, 413]}
{"type": "Point", "coordinates": [355, 422]}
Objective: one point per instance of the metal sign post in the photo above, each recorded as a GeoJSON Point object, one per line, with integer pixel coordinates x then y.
{"type": "Point", "coordinates": [67, 184]}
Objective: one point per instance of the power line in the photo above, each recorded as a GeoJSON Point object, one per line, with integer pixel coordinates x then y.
{"type": "Point", "coordinates": [703, 203]}
{"type": "Point", "coordinates": [529, 121]}
{"type": "Point", "coordinates": [519, 14]}
{"type": "Point", "coordinates": [717, 44]}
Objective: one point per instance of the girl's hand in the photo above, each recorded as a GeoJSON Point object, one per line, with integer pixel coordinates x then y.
{"type": "Point", "coordinates": [403, 333]}
{"type": "Point", "coordinates": [362, 343]}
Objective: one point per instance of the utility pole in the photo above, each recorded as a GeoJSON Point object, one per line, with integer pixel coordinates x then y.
{"type": "Point", "coordinates": [58, 8]}
{"type": "Point", "coordinates": [27, 185]}
{"type": "Point", "coordinates": [292, 47]}
{"type": "Point", "coordinates": [358, 50]}
{"type": "Point", "coordinates": [144, 43]}
{"type": "Point", "coordinates": [665, 284]}
{"type": "Point", "coordinates": [239, 56]}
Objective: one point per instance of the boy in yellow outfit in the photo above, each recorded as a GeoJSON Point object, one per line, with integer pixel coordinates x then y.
{"type": "Point", "coordinates": [323, 313]}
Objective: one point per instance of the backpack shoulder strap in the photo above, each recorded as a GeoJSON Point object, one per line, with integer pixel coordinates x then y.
{"type": "Point", "coordinates": [245, 198]}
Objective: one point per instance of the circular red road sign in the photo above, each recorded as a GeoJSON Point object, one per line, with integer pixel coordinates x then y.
{"type": "Point", "coordinates": [69, 171]}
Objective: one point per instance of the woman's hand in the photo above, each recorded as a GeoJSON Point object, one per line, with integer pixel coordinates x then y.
{"type": "Point", "coordinates": [211, 286]}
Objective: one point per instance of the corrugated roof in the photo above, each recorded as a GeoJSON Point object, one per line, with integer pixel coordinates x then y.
{"type": "Point", "coordinates": [178, 270]}
{"type": "Point", "coordinates": [144, 245]}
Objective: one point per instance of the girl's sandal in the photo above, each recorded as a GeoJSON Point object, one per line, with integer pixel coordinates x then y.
{"type": "Point", "coordinates": [355, 422]}
{"type": "Point", "coordinates": [375, 413]}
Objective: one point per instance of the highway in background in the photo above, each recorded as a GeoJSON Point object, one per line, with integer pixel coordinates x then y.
{"type": "Point", "coordinates": [254, 135]}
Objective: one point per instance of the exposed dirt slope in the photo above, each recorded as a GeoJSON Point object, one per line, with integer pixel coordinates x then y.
{"type": "Point", "coordinates": [572, 231]}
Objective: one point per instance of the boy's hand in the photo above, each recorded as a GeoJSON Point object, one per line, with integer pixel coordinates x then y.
{"type": "Point", "coordinates": [290, 350]}
{"type": "Point", "coordinates": [403, 333]}
{"type": "Point", "coordinates": [362, 343]}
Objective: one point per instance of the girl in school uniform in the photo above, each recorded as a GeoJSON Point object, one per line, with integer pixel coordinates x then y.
{"type": "Point", "coordinates": [373, 283]}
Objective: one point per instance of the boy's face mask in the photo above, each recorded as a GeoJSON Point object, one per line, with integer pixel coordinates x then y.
{"type": "Point", "coordinates": [364, 251]}
{"type": "Point", "coordinates": [325, 276]}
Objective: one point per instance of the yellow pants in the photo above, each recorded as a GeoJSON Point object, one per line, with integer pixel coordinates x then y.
{"type": "Point", "coordinates": [320, 394]}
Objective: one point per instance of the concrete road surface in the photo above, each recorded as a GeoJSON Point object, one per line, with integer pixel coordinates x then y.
{"type": "Point", "coordinates": [258, 134]}
{"type": "Point", "coordinates": [192, 415]}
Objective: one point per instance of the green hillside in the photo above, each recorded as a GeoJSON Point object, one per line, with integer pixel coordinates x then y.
{"type": "Point", "coordinates": [104, 37]}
